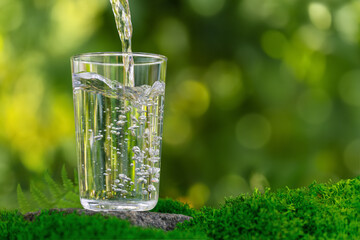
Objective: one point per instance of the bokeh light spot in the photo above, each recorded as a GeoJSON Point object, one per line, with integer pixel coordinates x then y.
{"type": "Point", "coordinates": [273, 12]}
{"type": "Point", "coordinates": [230, 186]}
{"type": "Point", "coordinates": [225, 81]}
{"type": "Point", "coordinates": [198, 194]}
{"type": "Point", "coordinates": [352, 157]}
{"type": "Point", "coordinates": [312, 37]}
{"type": "Point", "coordinates": [206, 8]}
{"type": "Point", "coordinates": [273, 43]}
{"type": "Point", "coordinates": [172, 37]}
{"type": "Point", "coordinates": [314, 106]}
{"type": "Point", "coordinates": [33, 158]}
{"type": "Point", "coordinates": [11, 15]}
{"type": "Point", "coordinates": [62, 117]}
{"type": "Point", "coordinates": [253, 131]}
{"type": "Point", "coordinates": [347, 23]}
{"type": "Point", "coordinates": [192, 97]}
{"type": "Point", "coordinates": [259, 181]}
{"type": "Point", "coordinates": [70, 27]}
{"type": "Point", "coordinates": [349, 88]}
{"type": "Point", "coordinates": [1, 43]}
{"type": "Point", "coordinates": [23, 126]}
{"type": "Point", "coordinates": [319, 15]}
{"type": "Point", "coordinates": [177, 129]}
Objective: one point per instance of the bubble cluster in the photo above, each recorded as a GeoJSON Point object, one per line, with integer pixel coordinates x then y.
{"type": "Point", "coordinates": [124, 137]}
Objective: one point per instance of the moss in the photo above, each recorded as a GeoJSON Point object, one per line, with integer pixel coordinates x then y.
{"type": "Point", "coordinates": [73, 226]}
{"type": "Point", "coordinates": [171, 206]}
{"type": "Point", "coordinates": [321, 211]}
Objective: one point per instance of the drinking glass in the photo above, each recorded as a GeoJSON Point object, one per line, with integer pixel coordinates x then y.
{"type": "Point", "coordinates": [119, 124]}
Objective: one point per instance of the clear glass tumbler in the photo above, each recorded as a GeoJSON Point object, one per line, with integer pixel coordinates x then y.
{"type": "Point", "coordinates": [119, 127]}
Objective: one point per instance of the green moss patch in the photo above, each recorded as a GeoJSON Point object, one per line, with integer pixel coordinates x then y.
{"type": "Point", "coordinates": [73, 226]}
{"type": "Point", "coordinates": [171, 206]}
{"type": "Point", "coordinates": [321, 211]}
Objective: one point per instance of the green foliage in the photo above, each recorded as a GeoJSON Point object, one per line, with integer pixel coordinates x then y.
{"type": "Point", "coordinates": [73, 226]}
{"type": "Point", "coordinates": [321, 211]}
{"type": "Point", "coordinates": [171, 206]}
{"type": "Point", "coordinates": [262, 57]}
{"type": "Point", "coordinates": [54, 188]}
{"type": "Point", "coordinates": [67, 183]}
{"type": "Point", "coordinates": [54, 196]}
{"type": "Point", "coordinates": [39, 197]}
{"type": "Point", "coordinates": [23, 203]}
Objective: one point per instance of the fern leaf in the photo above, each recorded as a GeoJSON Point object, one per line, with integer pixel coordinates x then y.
{"type": "Point", "coordinates": [72, 197]}
{"type": "Point", "coordinates": [40, 197]}
{"type": "Point", "coordinates": [67, 183]}
{"type": "Point", "coordinates": [66, 197]}
{"type": "Point", "coordinates": [54, 188]}
{"type": "Point", "coordinates": [22, 201]}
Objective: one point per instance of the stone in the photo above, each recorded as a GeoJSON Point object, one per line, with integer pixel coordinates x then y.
{"type": "Point", "coordinates": [165, 221]}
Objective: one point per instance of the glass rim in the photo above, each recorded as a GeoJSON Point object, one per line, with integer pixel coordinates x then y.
{"type": "Point", "coordinates": [78, 58]}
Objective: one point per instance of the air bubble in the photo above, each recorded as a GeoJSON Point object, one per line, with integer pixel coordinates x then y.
{"type": "Point", "coordinates": [153, 152]}
{"type": "Point", "coordinates": [134, 119]}
{"type": "Point", "coordinates": [151, 188]}
{"type": "Point", "coordinates": [154, 171]}
{"type": "Point", "coordinates": [122, 176]}
{"type": "Point", "coordinates": [120, 122]}
{"type": "Point", "coordinates": [136, 150]}
{"type": "Point", "coordinates": [154, 159]}
{"type": "Point", "coordinates": [142, 180]}
{"type": "Point", "coordinates": [133, 127]}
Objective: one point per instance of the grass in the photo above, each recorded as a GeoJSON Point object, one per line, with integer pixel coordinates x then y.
{"type": "Point", "coordinates": [320, 211]}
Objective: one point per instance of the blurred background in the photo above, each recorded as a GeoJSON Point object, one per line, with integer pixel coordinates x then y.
{"type": "Point", "coordinates": [260, 93]}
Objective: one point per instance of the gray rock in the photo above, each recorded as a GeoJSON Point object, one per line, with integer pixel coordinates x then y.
{"type": "Point", "coordinates": [163, 221]}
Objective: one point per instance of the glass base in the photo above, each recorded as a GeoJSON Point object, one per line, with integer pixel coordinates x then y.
{"type": "Point", "coordinates": [107, 205]}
